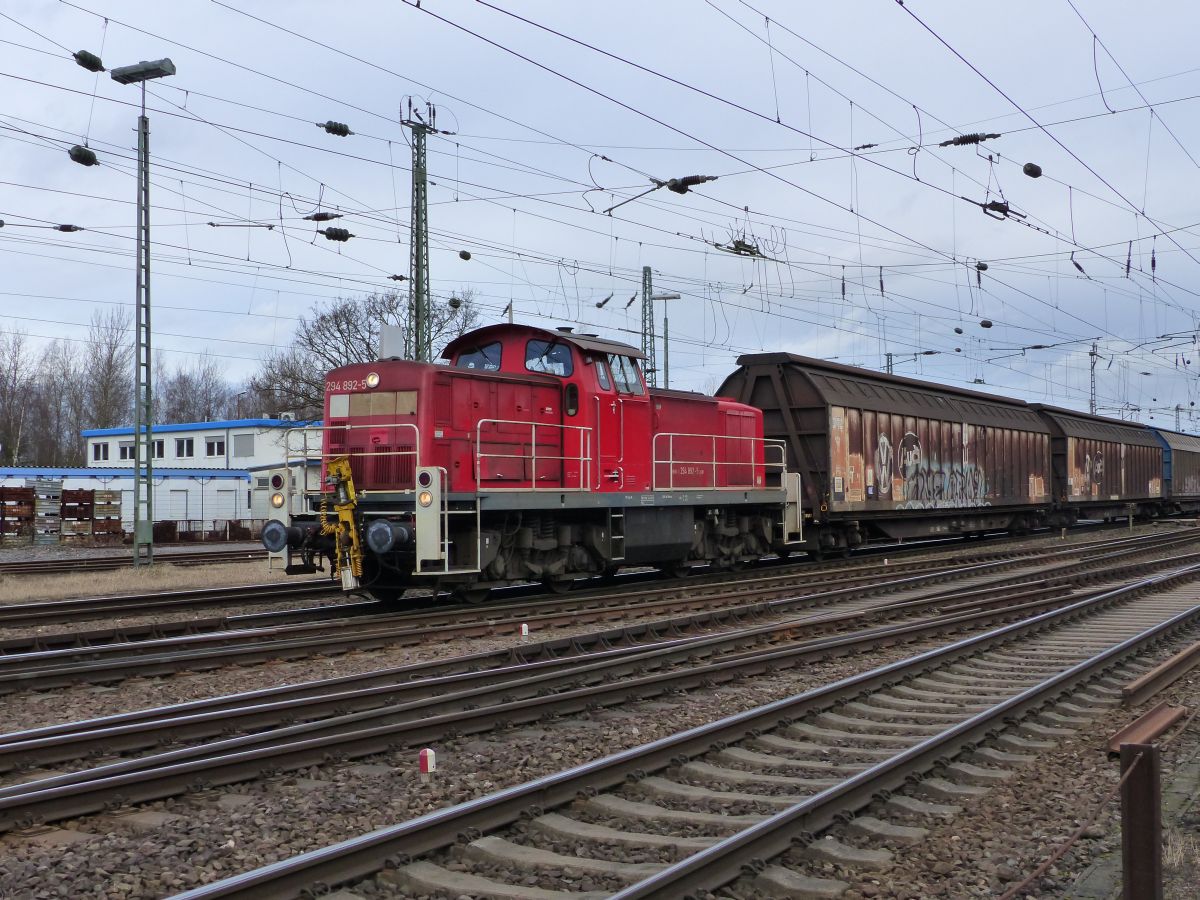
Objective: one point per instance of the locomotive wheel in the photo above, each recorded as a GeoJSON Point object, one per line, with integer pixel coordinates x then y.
{"type": "Point", "coordinates": [555, 586]}
{"type": "Point", "coordinates": [472, 595]}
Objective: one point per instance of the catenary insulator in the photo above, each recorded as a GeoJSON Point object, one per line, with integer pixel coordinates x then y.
{"type": "Point", "coordinates": [89, 61]}
{"type": "Point", "coordinates": [398, 277]}
{"type": "Point", "coordinates": [340, 129]}
{"type": "Point", "coordinates": [464, 254]}
{"type": "Point", "coordinates": [1033, 170]}
{"type": "Point", "coordinates": [454, 303]}
{"type": "Point", "coordinates": [67, 228]}
{"type": "Point", "coordinates": [82, 155]}
{"type": "Point", "coordinates": [323, 216]}
{"type": "Point", "coordinates": [336, 234]}
{"type": "Point", "coordinates": [981, 266]}
{"type": "Point", "coordinates": [985, 323]}
{"type": "Point", "coordinates": [958, 331]}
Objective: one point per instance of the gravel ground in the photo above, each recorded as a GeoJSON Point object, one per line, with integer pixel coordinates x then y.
{"type": "Point", "coordinates": [278, 818]}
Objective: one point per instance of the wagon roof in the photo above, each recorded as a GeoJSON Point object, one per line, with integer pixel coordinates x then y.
{"type": "Point", "coordinates": [1177, 441]}
{"type": "Point", "coordinates": [840, 385]}
{"type": "Point", "coordinates": [1084, 425]}
{"type": "Point", "coordinates": [590, 342]}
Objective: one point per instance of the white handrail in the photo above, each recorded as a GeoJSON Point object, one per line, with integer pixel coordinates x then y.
{"type": "Point", "coordinates": [307, 444]}
{"type": "Point", "coordinates": [711, 466]}
{"type": "Point", "coordinates": [584, 458]}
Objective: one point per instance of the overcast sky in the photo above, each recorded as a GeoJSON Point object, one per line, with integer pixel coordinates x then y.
{"type": "Point", "coordinates": [547, 134]}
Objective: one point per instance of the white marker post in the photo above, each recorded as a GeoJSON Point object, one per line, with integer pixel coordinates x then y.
{"type": "Point", "coordinates": [427, 763]}
{"type": "Point", "coordinates": [525, 630]}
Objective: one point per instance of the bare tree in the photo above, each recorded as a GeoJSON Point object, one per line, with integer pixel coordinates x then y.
{"type": "Point", "coordinates": [192, 393]}
{"type": "Point", "coordinates": [347, 331]}
{"type": "Point", "coordinates": [108, 369]}
{"type": "Point", "coordinates": [16, 370]}
{"type": "Point", "coordinates": [58, 407]}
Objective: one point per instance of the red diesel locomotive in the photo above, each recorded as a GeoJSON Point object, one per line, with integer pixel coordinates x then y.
{"type": "Point", "coordinates": [530, 455]}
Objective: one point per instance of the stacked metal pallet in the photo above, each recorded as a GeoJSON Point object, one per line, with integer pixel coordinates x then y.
{"type": "Point", "coordinates": [16, 514]}
{"type": "Point", "coordinates": [106, 513]}
{"type": "Point", "coordinates": [76, 518]}
{"type": "Point", "coordinates": [47, 509]}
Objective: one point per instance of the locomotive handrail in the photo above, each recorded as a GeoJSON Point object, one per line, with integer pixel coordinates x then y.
{"type": "Point", "coordinates": [584, 457]}
{"type": "Point", "coordinates": [310, 451]}
{"type": "Point", "coordinates": [711, 465]}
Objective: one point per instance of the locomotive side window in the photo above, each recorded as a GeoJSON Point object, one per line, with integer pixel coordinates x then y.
{"type": "Point", "coordinates": [550, 357]}
{"type": "Point", "coordinates": [484, 356]}
{"type": "Point", "coordinates": [625, 374]}
{"type": "Point", "coordinates": [602, 375]}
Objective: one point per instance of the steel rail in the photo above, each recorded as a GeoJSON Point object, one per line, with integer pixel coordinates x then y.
{"type": "Point", "coordinates": [46, 676]}
{"type": "Point", "coordinates": [42, 673]}
{"type": "Point", "coordinates": [726, 860]}
{"type": "Point", "coordinates": [363, 855]}
{"type": "Point", "coordinates": [129, 731]}
{"type": "Point", "coordinates": [56, 668]}
{"type": "Point", "coordinates": [49, 611]}
{"type": "Point", "coordinates": [137, 729]}
{"type": "Point", "coordinates": [236, 759]}
{"type": "Point", "coordinates": [110, 563]}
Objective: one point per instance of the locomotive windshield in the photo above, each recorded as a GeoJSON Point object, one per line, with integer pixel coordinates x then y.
{"type": "Point", "coordinates": [482, 356]}
{"type": "Point", "coordinates": [625, 374]}
{"type": "Point", "coordinates": [550, 357]}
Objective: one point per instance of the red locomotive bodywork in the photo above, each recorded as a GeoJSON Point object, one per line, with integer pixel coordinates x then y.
{"type": "Point", "coordinates": [505, 427]}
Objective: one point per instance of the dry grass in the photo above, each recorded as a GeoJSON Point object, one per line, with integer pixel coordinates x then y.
{"type": "Point", "coordinates": [1181, 859]}
{"type": "Point", "coordinates": [1181, 850]}
{"type": "Point", "coordinates": [160, 576]}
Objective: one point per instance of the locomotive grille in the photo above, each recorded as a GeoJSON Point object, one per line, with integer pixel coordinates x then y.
{"type": "Point", "coordinates": [391, 467]}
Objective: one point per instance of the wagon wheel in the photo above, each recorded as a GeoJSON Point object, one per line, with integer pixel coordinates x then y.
{"type": "Point", "coordinates": [678, 570]}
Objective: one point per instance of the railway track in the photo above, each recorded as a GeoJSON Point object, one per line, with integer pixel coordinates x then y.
{"type": "Point", "coordinates": [757, 798]}
{"type": "Point", "coordinates": [25, 664]}
{"type": "Point", "coordinates": [50, 612]}
{"type": "Point", "coordinates": [358, 716]}
{"type": "Point", "coordinates": [110, 563]}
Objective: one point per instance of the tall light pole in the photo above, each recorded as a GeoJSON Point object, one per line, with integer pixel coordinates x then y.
{"type": "Point", "coordinates": [666, 337]}
{"type": "Point", "coordinates": [143, 446]}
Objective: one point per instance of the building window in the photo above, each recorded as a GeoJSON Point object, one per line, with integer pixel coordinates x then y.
{"type": "Point", "coordinates": [125, 450]}
{"type": "Point", "coordinates": [100, 452]}
{"type": "Point", "coordinates": [159, 448]}
{"type": "Point", "coordinates": [243, 445]}
{"type": "Point", "coordinates": [214, 446]}
{"type": "Point", "coordinates": [185, 448]}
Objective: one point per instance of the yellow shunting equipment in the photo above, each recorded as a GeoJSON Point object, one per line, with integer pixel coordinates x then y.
{"type": "Point", "coordinates": [348, 557]}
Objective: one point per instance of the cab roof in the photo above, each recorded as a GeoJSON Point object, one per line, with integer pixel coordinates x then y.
{"type": "Point", "coordinates": [564, 335]}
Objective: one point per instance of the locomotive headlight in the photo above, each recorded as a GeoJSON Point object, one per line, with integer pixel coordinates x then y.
{"type": "Point", "coordinates": [372, 379]}
{"type": "Point", "coordinates": [277, 500]}
{"type": "Point", "coordinates": [425, 498]}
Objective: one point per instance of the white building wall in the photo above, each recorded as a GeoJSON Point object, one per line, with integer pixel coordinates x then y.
{"type": "Point", "coordinates": [177, 497]}
{"type": "Point", "coordinates": [236, 444]}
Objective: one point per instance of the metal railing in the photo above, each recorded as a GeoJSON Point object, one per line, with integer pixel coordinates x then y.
{"type": "Point", "coordinates": [383, 456]}
{"type": "Point", "coordinates": [520, 450]}
{"type": "Point", "coordinates": [692, 461]}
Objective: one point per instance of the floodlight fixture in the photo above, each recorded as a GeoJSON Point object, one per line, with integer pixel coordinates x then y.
{"type": "Point", "coordinates": [143, 71]}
